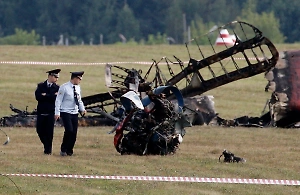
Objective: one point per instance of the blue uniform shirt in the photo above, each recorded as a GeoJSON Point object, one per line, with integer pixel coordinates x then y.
{"type": "Point", "coordinates": [65, 99]}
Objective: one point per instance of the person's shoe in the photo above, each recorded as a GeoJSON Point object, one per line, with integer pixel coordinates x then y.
{"type": "Point", "coordinates": [63, 153]}
{"type": "Point", "coordinates": [47, 153]}
{"type": "Point", "coordinates": [69, 154]}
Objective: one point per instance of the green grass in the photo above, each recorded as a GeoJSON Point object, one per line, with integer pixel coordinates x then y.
{"type": "Point", "coordinates": [18, 82]}
{"type": "Point", "coordinates": [271, 153]}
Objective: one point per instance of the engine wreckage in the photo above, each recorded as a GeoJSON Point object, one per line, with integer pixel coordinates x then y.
{"type": "Point", "coordinates": [154, 108]}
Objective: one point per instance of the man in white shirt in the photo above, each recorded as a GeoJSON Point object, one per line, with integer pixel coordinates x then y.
{"type": "Point", "coordinates": [68, 104]}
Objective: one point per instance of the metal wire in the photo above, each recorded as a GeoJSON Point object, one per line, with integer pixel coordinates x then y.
{"type": "Point", "coordinates": [12, 181]}
{"type": "Point", "coordinates": [7, 138]}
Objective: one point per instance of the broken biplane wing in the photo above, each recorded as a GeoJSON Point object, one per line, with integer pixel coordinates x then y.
{"type": "Point", "coordinates": [251, 54]}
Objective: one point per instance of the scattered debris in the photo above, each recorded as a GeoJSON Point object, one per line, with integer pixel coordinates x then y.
{"type": "Point", "coordinates": [229, 157]}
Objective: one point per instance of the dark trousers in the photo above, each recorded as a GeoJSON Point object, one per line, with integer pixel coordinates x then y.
{"type": "Point", "coordinates": [45, 130]}
{"type": "Point", "coordinates": [70, 122]}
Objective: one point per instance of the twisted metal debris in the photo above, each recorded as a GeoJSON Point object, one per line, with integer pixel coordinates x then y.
{"type": "Point", "coordinates": [215, 68]}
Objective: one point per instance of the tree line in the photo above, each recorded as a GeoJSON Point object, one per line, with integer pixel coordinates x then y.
{"type": "Point", "coordinates": [140, 21]}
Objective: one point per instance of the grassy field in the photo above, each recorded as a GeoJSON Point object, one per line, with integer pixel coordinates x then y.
{"type": "Point", "coordinates": [18, 82]}
{"type": "Point", "coordinates": [271, 153]}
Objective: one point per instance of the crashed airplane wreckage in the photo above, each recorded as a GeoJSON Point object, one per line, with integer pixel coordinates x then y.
{"type": "Point", "coordinates": [284, 104]}
{"type": "Point", "coordinates": [154, 124]}
{"type": "Point", "coordinates": [250, 54]}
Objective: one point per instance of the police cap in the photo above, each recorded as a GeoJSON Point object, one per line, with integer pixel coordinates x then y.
{"type": "Point", "coordinates": [54, 72]}
{"type": "Point", "coordinates": [77, 74]}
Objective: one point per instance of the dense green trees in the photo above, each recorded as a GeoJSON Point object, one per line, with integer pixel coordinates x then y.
{"type": "Point", "coordinates": [143, 21]}
{"type": "Point", "coordinates": [21, 37]}
{"type": "Point", "coordinates": [266, 22]}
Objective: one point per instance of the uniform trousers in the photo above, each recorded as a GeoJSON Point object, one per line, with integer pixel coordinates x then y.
{"type": "Point", "coordinates": [70, 122]}
{"type": "Point", "coordinates": [45, 130]}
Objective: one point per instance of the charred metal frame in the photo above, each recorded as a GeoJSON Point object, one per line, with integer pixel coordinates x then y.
{"type": "Point", "coordinates": [192, 73]}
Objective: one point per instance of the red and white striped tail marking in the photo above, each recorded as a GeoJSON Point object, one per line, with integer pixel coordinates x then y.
{"type": "Point", "coordinates": [225, 38]}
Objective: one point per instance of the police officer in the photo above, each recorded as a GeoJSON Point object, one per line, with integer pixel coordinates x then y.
{"type": "Point", "coordinates": [68, 104]}
{"type": "Point", "coordinates": [45, 94]}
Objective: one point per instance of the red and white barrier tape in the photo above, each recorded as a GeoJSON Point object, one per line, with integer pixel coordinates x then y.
{"type": "Point", "coordinates": [85, 63]}
{"type": "Point", "coordinates": [68, 63]}
{"type": "Point", "coordinates": [171, 179]}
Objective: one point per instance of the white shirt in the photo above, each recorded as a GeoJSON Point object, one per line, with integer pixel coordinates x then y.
{"type": "Point", "coordinates": [65, 99]}
{"type": "Point", "coordinates": [49, 84]}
